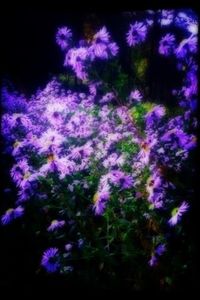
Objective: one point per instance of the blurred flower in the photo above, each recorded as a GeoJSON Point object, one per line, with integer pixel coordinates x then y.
{"type": "Point", "coordinates": [167, 44]}
{"type": "Point", "coordinates": [50, 260]}
{"type": "Point", "coordinates": [153, 261]}
{"type": "Point", "coordinates": [136, 34]}
{"type": "Point", "coordinates": [177, 213]}
{"type": "Point", "coordinates": [186, 46]}
{"type": "Point", "coordinates": [63, 36]}
{"type": "Point", "coordinates": [68, 247]}
{"type": "Point", "coordinates": [135, 95]}
{"type": "Point", "coordinates": [55, 224]}
{"type": "Point", "coordinates": [160, 249]}
{"type": "Point", "coordinates": [11, 214]}
{"type": "Point", "coordinates": [102, 35]}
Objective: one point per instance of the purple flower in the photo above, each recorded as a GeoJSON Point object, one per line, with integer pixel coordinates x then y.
{"type": "Point", "coordinates": [50, 260]}
{"type": "Point", "coordinates": [183, 140]}
{"type": "Point", "coordinates": [68, 247]}
{"type": "Point", "coordinates": [177, 213]}
{"type": "Point", "coordinates": [154, 115]}
{"type": "Point", "coordinates": [113, 48]}
{"type": "Point", "coordinates": [160, 249]}
{"type": "Point", "coordinates": [136, 34]}
{"type": "Point", "coordinates": [135, 95]}
{"type": "Point", "coordinates": [186, 46]}
{"type": "Point", "coordinates": [100, 200]}
{"type": "Point", "coordinates": [153, 261]}
{"type": "Point", "coordinates": [62, 37]}
{"type": "Point", "coordinates": [118, 178]}
{"type": "Point", "coordinates": [55, 224]}
{"type": "Point", "coordinates": [166, 17]}
{"type": "Point", "coordinates": [107, 98]}
{"type": "Point", "coordinates": [11, 214]}
{"type": "Point", "coordinates": [166, 45]}
{"type": "Point", "coordinates": [102, 35]}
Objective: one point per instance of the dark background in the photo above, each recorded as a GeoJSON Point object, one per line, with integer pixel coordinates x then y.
{"type": "Point", "coordinates": [30, 58]}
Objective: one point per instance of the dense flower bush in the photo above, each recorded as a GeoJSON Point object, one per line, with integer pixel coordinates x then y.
{"type": "Point", "coordinates": [93, 165]}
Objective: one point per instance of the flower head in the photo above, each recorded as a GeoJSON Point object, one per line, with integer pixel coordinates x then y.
{"type": "Point", "coordinates": [11, 214]}
{"type": "Point", "coordinates": [102, 35]}
{"type": "Point", "coordinates": [177, 213]}
{"type": "Point", "coordinates": [166, 45]}
{"type": "Point", "coordinates": [55, 224]}
{"type": "Point", "coordinates": [50, 260]}
{"type": "Point", "coordinates": [63, 36]}
{"type": "Point", "coordinates": [136, 34]}
{"type": "Point", "coordinates": [135, 95]}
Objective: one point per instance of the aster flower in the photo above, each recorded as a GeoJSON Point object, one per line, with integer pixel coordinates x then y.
{"type": "Point", "coordinates": [11, 214]}
{"type": "Point", "coordinates": [177, 213]}
{"type": "Point", "coordinates": [193, 27]}
{"type": "Point", "coordinates": [50, 260]}
{"type": "Point", "coordinates": [50, 141]}
{"type": "Point", "coordinates": [167, 17]}
{"type": "Point", "coordinates": [118, 178]}
{"type": "Point", "coordinates": [55, 224]}
{"type": "Point", "coordinates": [154, 115]}
{"type": "Point", "coordinates": [68, 247]}
{"type": "Point", "coordinates": [153, 261]}
{"type": "Point", "coordinates": [186, 46]}
{"type": "Point", "coordinates": [102, 35]}
{"type": "Point", "coordinates": [107, 98]}
{"type": "Point", "coordinates": [100, 199]}
{"type": "Point", "coordinates": [63, 36]}
{"type": "Point", "coordinates": [160, 249]}
{"type": "Point", "coordinates": [114, 49]}
{"type": "Point", "coordinates": [167, 44]}
{"type": "Point", "coordinates": [135, 95]}
{"type": "Point", "coordinates": [136, 34]}
{"type": "Point", "coordinates": [186, 21]}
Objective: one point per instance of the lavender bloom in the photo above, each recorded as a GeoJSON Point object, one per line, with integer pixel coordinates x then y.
{"type": "Point", "coordinates": [50, 260]}
{"type": "Point", "coordinates": [100, 199]}
{"type": "Point", "coordinates": [186, 46]}
{"type": "Point", "coordinates": [166, 45]}
{"type": "Point", "coordinates": [102, 35]}
{"type": "Point", "coordinates": [107, 98]}
{"type": "Point", "coordinates": [12, 102]}
{"type": "Point", "coordinates": [98, 50]}
{"type": "Point", "coordinates": [160, 249]}
{"type": "Point", "coordinates": [118, 178]}
{"type": "Point", "coordinates": [68, 247]}
{"type": "Point", "coordinates": [193, 28]}
{"type": "Point", "coordinates": [114, 49]}
{"type": "Point", "coordinates": [154, 115]}
{"type": "Point", "coordinates": [167, 17]}
{"type": "Point", "coordinates": [11, 214]}
{"type": "Point", "coordinates": [183, 140]}
{"type": "Point", "coordinates": [55, 224]}
{"type": "Point", "coordinates": [62, 37]}
{"type": "Point", "coordinates": [135, 95]}
{"type": "Point", "coordinates": [177, 213]}
{"type": "Point", "coordinates": [187, 22]}
{"type": "Point", "coordinates": [136, 34]}
{"type": "Point", "coordinates": [153, 261]}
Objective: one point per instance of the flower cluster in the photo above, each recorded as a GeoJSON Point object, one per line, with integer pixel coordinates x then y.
{"type": "Point", "coordinates": [81, 157]}
{"type": "Point", "coordinates": [80, 58]}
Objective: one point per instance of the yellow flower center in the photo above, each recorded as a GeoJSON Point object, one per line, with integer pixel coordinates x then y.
{"type": "Point", "coordinates": [26, 175]}
{"type": "Point", "coordinates": [16, 144]}
{"type": "Point", "coordinates": [96, 197]}
{"type": "Point", "coordinates": [50, 157]}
